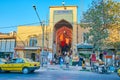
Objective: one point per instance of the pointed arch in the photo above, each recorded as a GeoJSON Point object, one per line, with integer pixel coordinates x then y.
{"type": "Point", "coordinates": [63, 32]}
{"type": "Point", "coordinates": [62, 23]}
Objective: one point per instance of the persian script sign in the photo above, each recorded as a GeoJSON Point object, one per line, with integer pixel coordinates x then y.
{"type": "Point", "coordinates": [63, 12]}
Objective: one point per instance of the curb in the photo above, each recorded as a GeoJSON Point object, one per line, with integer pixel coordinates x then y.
{"type": "Point", "coordinates": [87, 70]}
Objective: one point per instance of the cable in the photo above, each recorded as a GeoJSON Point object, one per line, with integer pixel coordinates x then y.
{"type": "Point", "coordinates": [19, 25]}
{"type": "Point", "coordinates": [75, 23]}
{"type": "Point", "coordinates": [29, 31]}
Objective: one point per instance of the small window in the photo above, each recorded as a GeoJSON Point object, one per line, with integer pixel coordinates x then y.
{"type": "Point", "coordinates": [33, 42]}
{"type": "Point", "coordinates": [12, 61]}
{"type": "Point", "coordinates": [85, 38]}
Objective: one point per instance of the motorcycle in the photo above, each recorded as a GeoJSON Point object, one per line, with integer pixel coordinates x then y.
{"type": "Point", "coordinates": [101, 69]}
{"type": "Point", "coordinates": [110, 69]}
{"type": "Point", "coordinates": [106, 69]}
{"type": "Point", "coordinates": [94, 68]}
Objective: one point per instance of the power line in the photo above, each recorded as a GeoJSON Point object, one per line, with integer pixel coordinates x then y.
{"type": "Point", "coordinates": [19, 25]}
{"type": "Point", "coordinates": [75, 23]}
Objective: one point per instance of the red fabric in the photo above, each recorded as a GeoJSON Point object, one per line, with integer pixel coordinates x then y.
{"type": "Point", "coordinates": [93, 57]}
{"type": "Point", "coordinates": [63, 43]}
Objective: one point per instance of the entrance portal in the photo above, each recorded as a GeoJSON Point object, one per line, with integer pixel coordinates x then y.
{"type": "Point", "coordinates": [63, 36]}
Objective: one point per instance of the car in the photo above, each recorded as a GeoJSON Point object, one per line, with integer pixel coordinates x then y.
{"type": "Point", "coordinates": [118, 72]}
{"type": "Point", "coordinates": [2, 61]}
{"type": "Point", "coordinates": [23, 65]}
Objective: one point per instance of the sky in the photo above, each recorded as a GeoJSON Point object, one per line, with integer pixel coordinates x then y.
{"type": "Point", "coordinates": [20, 12]}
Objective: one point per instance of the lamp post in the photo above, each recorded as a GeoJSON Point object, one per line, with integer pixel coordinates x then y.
{"type": "Point", "coordinates": [63, 3]}
{"type": "Point", "coordinates": [42, 25]}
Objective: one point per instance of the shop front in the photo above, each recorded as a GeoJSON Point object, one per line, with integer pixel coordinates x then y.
{"type": "Point", "coordinates": [28, 52]}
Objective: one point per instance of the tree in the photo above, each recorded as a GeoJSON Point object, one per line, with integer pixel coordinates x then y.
{"type": "Point", "coordinates": [99, 18]}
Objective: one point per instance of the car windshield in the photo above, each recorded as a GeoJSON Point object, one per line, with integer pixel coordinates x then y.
{"type": "Point", "coordinates": [3, 60]}
{"type": "Point", "coordinates": [29, 60]}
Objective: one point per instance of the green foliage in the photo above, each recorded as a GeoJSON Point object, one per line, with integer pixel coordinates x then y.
{"type": "Point", "coordinates": [99, 18]}
{"type": "Point", "coordinates": [115, 45]}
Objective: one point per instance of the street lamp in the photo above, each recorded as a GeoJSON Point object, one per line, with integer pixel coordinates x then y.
{"type": "Point", "coordinates": [42, 25]}
{"type": "Point", "coordinates": [63, 3]}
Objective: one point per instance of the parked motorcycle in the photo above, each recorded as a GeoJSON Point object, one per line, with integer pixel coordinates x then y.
{"type": "Point", "coordinates": [110, 69]}
{"type": "Point", "coordinates": [106, 69]}
{"type": "Point", "coordinates": [94, 68]}
{"type": "Point", "coordinates": [101, 69]}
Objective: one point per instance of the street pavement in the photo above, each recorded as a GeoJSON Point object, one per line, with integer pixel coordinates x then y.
{"type": "Point", "coordinates": [55, 72]}
{"type": "Point", "coordinates": [71, 68]}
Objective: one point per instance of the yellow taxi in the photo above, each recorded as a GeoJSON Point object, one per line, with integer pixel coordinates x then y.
{"type": "Point", "coordinates": [23, 65]}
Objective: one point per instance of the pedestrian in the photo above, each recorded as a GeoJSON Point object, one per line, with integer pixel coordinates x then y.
{"type": "Point", "coordinates": [61, 61]}
{"type": "Point", "coordinates": [90, 62]}
{"type": "Point", "coordinates": [55, 59]}
{"type": "Point", "coordinates": [67, 60]}
{"type": "Point", "coordinates": [93, 60]}
{"type": "Point", "coordinates": [70, 60]}
{"type": "Point", "coordinates": [83, 64]}
{"type": "Point", "coordinates": [80, 61]}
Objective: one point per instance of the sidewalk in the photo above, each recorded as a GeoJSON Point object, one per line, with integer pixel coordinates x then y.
{"type": "Point", "coordinates": [57, 67]}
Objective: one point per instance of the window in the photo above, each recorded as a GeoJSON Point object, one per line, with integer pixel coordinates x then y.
{"type": "Point", "coordinates": [85, 38]}
{"type": "Point", "coordinates": [19, 61]}
{"type": "Point", "coordinates": [12, 61]}
{"type": "Point", "coordinates": [33, 42]}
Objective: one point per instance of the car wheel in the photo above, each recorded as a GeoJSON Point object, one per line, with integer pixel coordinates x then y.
{"type": "Point", "coordinates": [6, 71]}
{"type": "Point", "coordinates": [32, 70]}
{"type": "Point", "coordinates": [25, 71]}
{"type": "Point", "coordinates": [0, 70]}
{"type": "Point", "coordinates": [119, 74]}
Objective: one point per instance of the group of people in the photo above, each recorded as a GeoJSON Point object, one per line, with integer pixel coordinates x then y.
{"type": "Point", "coordinates": [69, 60]}
{"type": "Point", "coordinates": [63, 59]}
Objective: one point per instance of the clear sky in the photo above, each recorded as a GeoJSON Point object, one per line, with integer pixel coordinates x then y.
{"type": "Point", "coordinates": [20, 12]}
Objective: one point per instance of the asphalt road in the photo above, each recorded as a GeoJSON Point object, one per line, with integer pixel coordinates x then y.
{"type": "Point", "coordinates": [58, 75]}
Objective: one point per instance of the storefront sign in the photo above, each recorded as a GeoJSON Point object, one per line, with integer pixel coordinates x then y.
{"type": "Point", "coordinates": [107, 56]}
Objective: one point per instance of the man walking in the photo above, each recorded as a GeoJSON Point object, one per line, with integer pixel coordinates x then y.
{"type": "Point", "coordinates": [67, 60]}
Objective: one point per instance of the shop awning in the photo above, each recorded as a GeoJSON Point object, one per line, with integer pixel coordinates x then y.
{"type": "Point", "coordinates": [84, 46]}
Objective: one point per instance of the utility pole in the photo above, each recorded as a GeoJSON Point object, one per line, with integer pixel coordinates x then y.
{"type": "Point", "coordinates": [42, 25]}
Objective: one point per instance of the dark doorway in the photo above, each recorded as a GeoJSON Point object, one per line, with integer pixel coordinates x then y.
{"type": "Point", "coordinates": [33, 56]}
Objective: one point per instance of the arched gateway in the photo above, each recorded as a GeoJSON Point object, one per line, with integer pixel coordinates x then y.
{"type": "Point", "coordinates": [63, 36]}
{"type": "Point", "coordinates": [62, 29]}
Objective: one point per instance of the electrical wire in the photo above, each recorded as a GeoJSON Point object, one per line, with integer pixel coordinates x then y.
{"type": "Point", "coordinates": [29, 31]}
{"type": "Point", "coordinates": [19, 25]}
{"type": "Point", "coordinates": [75, 23]}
